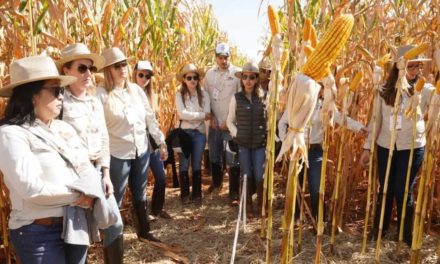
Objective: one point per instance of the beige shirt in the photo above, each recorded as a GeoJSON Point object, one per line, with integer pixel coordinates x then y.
{"type": "Point", "coordinates": [86, 115]}
{"type": "Point", "coordinates": [221, 87]}
{"type": "Point", "coordinates": [191, 113]}
{"type": "Point", "coordinates": [35, 173]}
{"type": "Point", "coordinates": [404, 134]}
{"type": "Point", "coordinates": [128, 115]}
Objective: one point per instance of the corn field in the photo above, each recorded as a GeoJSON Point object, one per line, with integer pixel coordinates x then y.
{"type": "Point", "coordinates": [171, 33]}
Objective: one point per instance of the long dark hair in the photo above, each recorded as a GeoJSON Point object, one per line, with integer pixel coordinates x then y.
{"type": "Point", "coordinates": [20, 108]}
{"type": "Point", "coordinates": [185, 91]}
{"type": "Point", "coordinates": [389, 91]}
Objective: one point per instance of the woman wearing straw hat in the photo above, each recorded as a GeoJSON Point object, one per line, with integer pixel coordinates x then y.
{"type": "Point", "coordinates": [84, 112]}
{"type": "Point", "coordinates": [247, 124]}
{"type": "Point", "coordinates": [399, 163]}
{"type": "Point", "coordinates": [193, 109]}
{"type": "Point", "coordinates": [142, 74]}
{"type": "Point", "coordinates": [42, 157]}
{"type": "Point", "coordinates": [127, 115]}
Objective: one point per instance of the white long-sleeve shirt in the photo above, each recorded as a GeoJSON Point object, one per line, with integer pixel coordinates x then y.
{"type": "Point", "coordinates": [316, 132]}
{"type": "Point", "coordinates": [191, 114]}
{"type": "Point", "coordinates": [128, 115]}
{"type": "Point", "coordinates": [86, 115]}
{"type": "Point", "coordinates": [35, 173]}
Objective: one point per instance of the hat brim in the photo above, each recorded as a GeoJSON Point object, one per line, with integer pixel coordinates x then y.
{"type": "Point", "coordinates": [7, 90]}
{"type": "Point", "coordinates": [129, 59]}
{"type": "Point", "coordinates": [98, 61]}
{"type": "Point", "coordinates": [201, 74]}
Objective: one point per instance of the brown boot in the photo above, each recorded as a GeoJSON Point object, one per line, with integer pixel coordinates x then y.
{"type": "Point", "coordinates": [114, 253]}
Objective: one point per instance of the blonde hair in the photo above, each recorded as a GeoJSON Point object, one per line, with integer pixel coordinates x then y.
{"type": "Point", "coordinates": [109, 85]}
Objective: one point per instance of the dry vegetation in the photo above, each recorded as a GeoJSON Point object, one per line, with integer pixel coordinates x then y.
{"type": "Point", "coordinates": [171, 33]}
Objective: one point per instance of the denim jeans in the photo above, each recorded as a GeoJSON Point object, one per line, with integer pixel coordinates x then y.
{"type": "Point", "coordinates": [216, 139]}
{"type": "Point", "coordinates": [156, 166]}
{"type": "Point", "coordinates": [252, 162]}
{"type": "Point", "coordinates": [133, 171]}
{"type": "Point", "coordinates": [40, 244]}
{"type": "Point", "coordinates": [197, 147]}
{"type": "Point", "coordinates": [396, 184]}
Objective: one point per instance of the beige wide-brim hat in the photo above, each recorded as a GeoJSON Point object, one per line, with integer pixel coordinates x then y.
{"type": "Point", "coordinates": [403, 49]}
{"type": "Point", "coordinates": [190, 68]}
{"type": "Point", "coordinates": [248, 67]}
{"type": "Point", "coordinates": [79, 51]}
{"type": "Point", "coordinates": [113, 55]}
{"type": "Point", "coordinates": [32, 69]}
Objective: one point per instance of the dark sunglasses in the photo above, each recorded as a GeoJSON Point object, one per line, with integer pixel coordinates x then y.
{"type": "Point", "coordinates": [83, 68]}
{"type": "Point", "coordinates": [56, 90]}
{"type": "Point", "coordinates": [250, 77]}
{"type": "Point", "coordinates": [190, 78]}
{"type": "Point", "coordinates": [411, 67]}
{"type": "Point", "coordinates": [120, 65]}
{"type": "Point", "coordinates": [147, 76]}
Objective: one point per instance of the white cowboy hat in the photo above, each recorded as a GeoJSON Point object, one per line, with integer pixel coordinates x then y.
{"type": "Point", "coordinates": [79, 51]}
{"type": "Point", "coordinates": [113, 55]}
{"type": "Point", "coordinates": [248, 67]}
{"type": "Point", "coordinates": [190, 68]}
{"type": "Point", "coordinates": [32, 69]}
{"type": "Point", "coordinates": [403, 49]}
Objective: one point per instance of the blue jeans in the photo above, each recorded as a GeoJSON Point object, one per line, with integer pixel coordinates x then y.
{"type": "Point", "coordinates": [133, 171]}
{"type": "Point", "coordinates": [40, 244]}
{"type": "Point", "coordinates": [216, 139]}
{"type": "Point", "coordinates": [156, 166]}
{"type": "Point", "coordinates": [396, 185]}
{"type": "Point", "coordinates": [198, 141]}
{"type": "Point", "coordinates": [252, 162]}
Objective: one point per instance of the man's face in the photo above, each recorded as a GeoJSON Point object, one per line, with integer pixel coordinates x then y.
{"type": "Point", "coordinates": [222, 61]}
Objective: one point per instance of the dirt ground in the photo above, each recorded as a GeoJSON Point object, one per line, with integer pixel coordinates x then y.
{"type": "Point", "coordinates": [205, 234]}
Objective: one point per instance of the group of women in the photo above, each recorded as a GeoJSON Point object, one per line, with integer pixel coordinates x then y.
{"type": "Point", "coordinates": [59, 129]}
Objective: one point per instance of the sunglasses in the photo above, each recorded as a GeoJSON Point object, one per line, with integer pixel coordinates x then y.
{"type": "Point", "coordinates": [56, 90]}
{"type": "Point", "coordinates": [147, 76]}
{"type": "Point", "coordinates": [190, 78]}
{"type": "Point", "coordinates": [83, 68]}
{"type": "Point", "coordinates": [120, 65]}
{"type": "Point", "coordinates": [415, 66]}
{"type": "Point", "coordinates": [251, 77]}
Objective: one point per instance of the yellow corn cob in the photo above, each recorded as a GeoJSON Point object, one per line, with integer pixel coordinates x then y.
{"type": "Point", "coordinates": [313, 37]}
{"type": "Point", "coordinates": [308, 50]}
{"type": "Point", "coordinates": [356, 81]}
{"type": "Point", "coordinates": [365, 52]}
{"type": "Point", "coordinates": [273, 20]}
{"type": "Point", "coordinates": [331, 44]}
{"type": "Point", "coordinates": [420, 83]}
{"type": "Point", "coordinates": [437, 87]}
{"type": "Point", "coordinates": [383, 60]}
{"type": "Point", "coordinates": [284, 59]}
{"type": "Point", "coordinates": [416, 51]}
{"type": "Point", "coordinates": [307, 29]}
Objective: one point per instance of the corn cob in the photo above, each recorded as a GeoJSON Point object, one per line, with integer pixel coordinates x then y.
{"type": "Point", "coordinates": [437, 87]}
{"type": "Point", "coordinates": [284, 59]}
{"type": "Point", "coordinates": [308, 50]}
{"type": "Point", "coordinates": [356, 81]}
{"type": "Point", "coordinates": [313, 37]}
{"type": "Point", "coordinates": [419, 85]}
{"type": "Point", "coordinates": [384, 60]}
{"type": "Point", "coordinates": [273, 20]}
{"type": "Point", "coordinates": [416, 51]}
{"type": "Point", "coordinates": [318, 65]}
{"type": "Point", "coordinates": [307, 29]}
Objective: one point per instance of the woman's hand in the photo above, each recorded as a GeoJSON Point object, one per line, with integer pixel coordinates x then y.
{"type": "Point", "coordinates": [106, 182]}
{"type": "Point", "coordinates": [207, 116]}
{"type": "Point", "coordinates": [163, 151]}
{"type": "Point", "coordinates": [365, 158]}
{"type": "Point", "coordinates": [84, 201]}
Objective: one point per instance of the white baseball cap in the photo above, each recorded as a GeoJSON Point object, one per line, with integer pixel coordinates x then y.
{"type": "Point", "coordinates": [144, 65]}
{"type": "Point", "coordinates": [222, 49]}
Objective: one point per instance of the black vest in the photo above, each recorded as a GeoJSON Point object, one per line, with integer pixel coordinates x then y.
{"type": "Point", "coordinates": [250, 121]}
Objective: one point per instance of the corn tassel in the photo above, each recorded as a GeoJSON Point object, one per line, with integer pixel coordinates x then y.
{"type": "Point", "coordinates": [416, 51]}
{"type": "Point", "coordinates": [273, 20]}
{"type": "Point", "coordinates": [307, 29]}
{"type": "Point", "coordinates": [331, 44]}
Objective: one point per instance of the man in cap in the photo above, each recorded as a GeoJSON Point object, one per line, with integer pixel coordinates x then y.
{"type": "Point", "coordinates": [221, 84]}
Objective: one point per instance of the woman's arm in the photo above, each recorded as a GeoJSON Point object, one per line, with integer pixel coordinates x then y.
{"type": "Point", "coordinates": [230, 121]}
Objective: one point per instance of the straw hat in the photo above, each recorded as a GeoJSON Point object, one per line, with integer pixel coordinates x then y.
{"type": "Point", "coordinates": [144, 65]}
{"type": "Point", "coordinates": [113, 55]}
{"type": "Point", "coordinates": [79, 51]}
{"type": "Point", "coordinates": [403, 49]}
{"type": "Point", "coordinates": [248, 67]}
{"type": "Point", "coordinates": [190, 68]}
{"type": "Point", "coordinates": [265, 63]}
{"type": "Point", "coordinates": [32, 69]}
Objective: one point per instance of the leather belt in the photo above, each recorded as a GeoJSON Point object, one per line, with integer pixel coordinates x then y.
{"type": "Point", "coordinates": [48, 221]}
{"type": "Point", "coordinates": [315, 146]}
